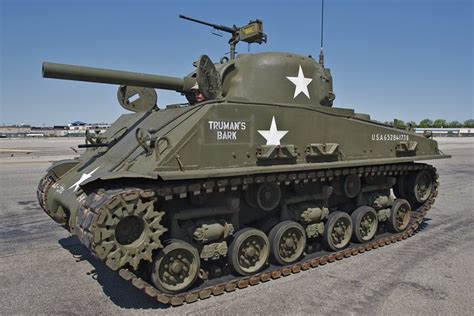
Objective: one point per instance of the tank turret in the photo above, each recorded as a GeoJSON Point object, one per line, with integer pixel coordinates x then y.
{"type": "Point", "coordinates": [277, 78]}
{"type": "Point", "coordinates": [264, 77]}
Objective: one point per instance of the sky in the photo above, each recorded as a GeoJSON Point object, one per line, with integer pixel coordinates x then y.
{"type": "Point", "coordinates": [404, 59]}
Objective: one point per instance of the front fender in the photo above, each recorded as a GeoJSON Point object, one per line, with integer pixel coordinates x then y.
{"type": "Point", "coordinates": [59, 168]}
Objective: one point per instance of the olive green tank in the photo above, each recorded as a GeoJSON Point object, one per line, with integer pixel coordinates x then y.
{"type": "Point", "coordinates": [256, 177]}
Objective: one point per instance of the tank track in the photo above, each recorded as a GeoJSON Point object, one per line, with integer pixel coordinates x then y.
{"type": "Point", "coordinates": [41, 193]}
{"type": "Point", "coordinates": [230, 283]}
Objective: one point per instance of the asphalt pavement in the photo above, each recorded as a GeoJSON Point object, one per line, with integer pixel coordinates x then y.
{"type": "Point", "coordinates": [45, 270]}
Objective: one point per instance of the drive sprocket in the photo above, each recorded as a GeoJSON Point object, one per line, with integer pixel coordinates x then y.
{"type": "Point", "coordinates": [121, 227]}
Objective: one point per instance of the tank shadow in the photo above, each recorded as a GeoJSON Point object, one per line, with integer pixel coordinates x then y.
{"type": "Point", "coordinates": [29, 205]}
{"type": "Point", "coordinates": [120, 292]}
{"type": "Point", "coordinates": [422, 226]}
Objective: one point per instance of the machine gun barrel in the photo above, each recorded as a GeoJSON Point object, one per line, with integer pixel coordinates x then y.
{"type": "Point", "coordinates": [216, 26]}
{"type": "Point", "coordinates": [90, 74]}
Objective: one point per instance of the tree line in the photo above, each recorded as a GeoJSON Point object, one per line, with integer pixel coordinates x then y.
{"type": "Point", "coordinates": [427, 123]}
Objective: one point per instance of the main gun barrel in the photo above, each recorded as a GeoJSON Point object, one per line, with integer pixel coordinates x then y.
{"type": "Point", "coordinates": [90, 74]}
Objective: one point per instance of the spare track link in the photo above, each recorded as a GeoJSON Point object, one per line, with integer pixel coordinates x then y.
{"type": "Point", "coordinates": [305, 263]}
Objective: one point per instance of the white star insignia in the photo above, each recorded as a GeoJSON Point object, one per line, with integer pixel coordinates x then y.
{"type": "Point", "coordinates": [83, 178]}
{"type": "Point", "coordinates": [301, 83]}
{"type": "Point", "coordinates": [273, 135]}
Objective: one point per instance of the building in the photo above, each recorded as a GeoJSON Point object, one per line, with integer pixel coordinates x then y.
{"type": "Point", "coordinates": [77, 128]}
{"type": "Point", "coordinates": [448, 131]}
{"type": "Point", "coordinates": [14, 131]}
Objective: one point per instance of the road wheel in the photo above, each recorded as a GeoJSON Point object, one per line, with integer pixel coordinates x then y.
{"type": "Point", "coordinates": [365, 223]}
{"type": "Point", "coordinates": [249, 251]}
{"type": "Point", "coordinates": [288, 242]}
{"type": "Point", "coordinates": [338, 231]}
{"type": "Point", "coordinates": [399, 216]}
{"type": "Point", "coordinates": [176, 267]}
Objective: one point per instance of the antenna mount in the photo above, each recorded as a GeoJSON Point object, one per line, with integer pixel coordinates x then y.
{"type": "Point", "coordinates": [321, 51]}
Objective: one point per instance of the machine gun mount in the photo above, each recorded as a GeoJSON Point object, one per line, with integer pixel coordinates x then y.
{"type": "Point", "coordinates": [250, 33]}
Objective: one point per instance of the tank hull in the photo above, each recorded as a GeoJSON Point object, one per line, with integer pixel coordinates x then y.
{"type": "Point", "coordinates": [211, 176]}
{"type": "Point", "coordinates": [228, 139]}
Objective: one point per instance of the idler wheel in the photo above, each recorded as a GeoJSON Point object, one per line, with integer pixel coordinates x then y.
{"type": "Point", "coordinates": [288, 242]}
{"type": "Point", "coordinates": [249, 251]}
{"type": "Point", "coordinates": [268, 196]}
{"type": "Point", "coordinates": [365, 223]}
{"type": "Point", "coordinates": [176, 267]}
{"type": "Point", "coordinates": [420, 187]}
{"type": "Point", "coordinates": [338, 231]}
{"type": "Point", "coordinates": [399, 216]}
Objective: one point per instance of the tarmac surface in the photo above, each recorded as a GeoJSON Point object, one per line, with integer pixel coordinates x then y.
{"type": "Point", "coordinates": [45, 270]}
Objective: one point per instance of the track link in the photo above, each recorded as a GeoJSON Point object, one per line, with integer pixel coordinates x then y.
{"type": "Point", "coordinates": [230, 283]}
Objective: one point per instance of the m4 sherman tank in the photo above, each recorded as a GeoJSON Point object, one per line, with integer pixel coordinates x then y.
{"type": "Point", "coordinates": [258, 176]}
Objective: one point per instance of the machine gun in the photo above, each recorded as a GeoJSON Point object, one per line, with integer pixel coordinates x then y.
{"type": "Point", "coordinates": [250, 33]}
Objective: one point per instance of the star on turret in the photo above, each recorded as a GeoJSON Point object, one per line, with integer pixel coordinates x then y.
{"type": "Point", "coordinates": [301, 83]}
